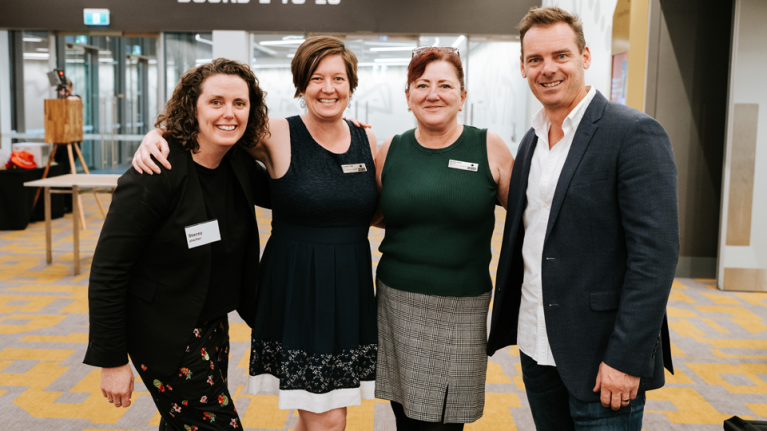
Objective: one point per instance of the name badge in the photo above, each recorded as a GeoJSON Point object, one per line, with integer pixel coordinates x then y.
{"type": "Point", "coordinates": [355, 168]}
{"type": "Point", "coordinates": [465, 166]}
{"type": "Point", "coordinates": [202, 233]}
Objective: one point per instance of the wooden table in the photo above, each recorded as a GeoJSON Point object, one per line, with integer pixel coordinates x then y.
{"type": "Point", "coordinates": [71, 184]}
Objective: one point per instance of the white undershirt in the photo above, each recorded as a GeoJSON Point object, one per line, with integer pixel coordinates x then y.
{"type": "Point", "coordinates": [545, 169]}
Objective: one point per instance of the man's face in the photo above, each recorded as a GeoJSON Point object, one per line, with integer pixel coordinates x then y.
{"type": "Point", "coordinates": [553, 66]}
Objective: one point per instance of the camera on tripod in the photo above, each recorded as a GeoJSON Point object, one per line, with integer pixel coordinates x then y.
{"type": "Point", "coordinates": [58, 80]}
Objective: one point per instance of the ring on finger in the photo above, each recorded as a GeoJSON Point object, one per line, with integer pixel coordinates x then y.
{"type": "Point", "coordinates": [111, 401]}
{"type": "Point", "coordinates": [626, 401]}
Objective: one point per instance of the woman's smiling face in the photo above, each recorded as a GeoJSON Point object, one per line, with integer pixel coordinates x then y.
{"type": "Point", "coordinates": [327, 94]}
{"type": "Point", "coordinates": [222, 111]}
{"type": "Point", "coordinates": [436, 97]}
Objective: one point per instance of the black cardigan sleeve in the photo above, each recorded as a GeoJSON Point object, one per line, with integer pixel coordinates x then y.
{"type": "Point", "coordinates": [141, 203]}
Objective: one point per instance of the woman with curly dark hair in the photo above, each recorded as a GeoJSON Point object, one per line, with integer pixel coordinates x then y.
{"type": "Point", "coordinates": [179, 251]}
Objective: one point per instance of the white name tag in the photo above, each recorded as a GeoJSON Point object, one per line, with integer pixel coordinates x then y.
{"type": "Point", "coordinates": [466, 166]}
{"type": "Point", "coordinates": [202, 233]}
{"type": "Point", "coordinates": [353, 169]}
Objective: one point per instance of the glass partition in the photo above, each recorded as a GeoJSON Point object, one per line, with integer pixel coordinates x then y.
{"type": "Point", "coordinates": [497, 97]}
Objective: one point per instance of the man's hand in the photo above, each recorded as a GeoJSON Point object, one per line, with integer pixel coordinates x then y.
{"type": "Point", "coordinates": [117, 385]}
{"type": "Point", "coordinates": [618, 388]}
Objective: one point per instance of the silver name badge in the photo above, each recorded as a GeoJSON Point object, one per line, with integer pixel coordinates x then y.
{"type": "Point", "coordinates": [355, 168]}
{"type": "Point", "coordinates": [466, 166]}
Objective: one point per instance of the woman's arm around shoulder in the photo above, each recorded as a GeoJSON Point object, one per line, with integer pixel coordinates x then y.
{"type": "Point", "coordinates": [273, 150]}
{"type": "Point", "coordinates": [373, 143]}
{"type": "Point", "coordinates": [501, 162]}
{"type": "Point", "coordinates": [380, 159]}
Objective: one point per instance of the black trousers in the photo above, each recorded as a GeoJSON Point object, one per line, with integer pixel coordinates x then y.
{"type": "Point", "coordinates": [196, 398]}
{"type": "Point", "coordinates": [405, 423]}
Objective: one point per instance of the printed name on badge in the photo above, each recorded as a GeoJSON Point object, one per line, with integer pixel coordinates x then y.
{"type": "Point", "coordinates": [355, 168]}
{"type": "Point", "coordinates": [202, 233]}
{"type": "Point", "coordinates": [466, 166]}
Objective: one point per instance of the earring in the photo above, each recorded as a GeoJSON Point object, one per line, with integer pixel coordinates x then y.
{"type": "Point", "coordinates": [409, 110]}
{"type": "Point", "coordinates": [302, 102]}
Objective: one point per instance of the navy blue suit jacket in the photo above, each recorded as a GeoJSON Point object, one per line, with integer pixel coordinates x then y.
{"type": "Point", "coordinates": [610, 251]}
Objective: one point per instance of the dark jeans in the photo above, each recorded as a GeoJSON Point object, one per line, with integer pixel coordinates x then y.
{"type": "Point", "coordinates": [556, 409]}
{"type": "Point", "coordinates": [405, 423]}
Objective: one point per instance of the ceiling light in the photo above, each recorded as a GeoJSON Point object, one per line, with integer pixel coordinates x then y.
{"type": "Point", "coordinates": [458, 41]}
{"type": "Point", "coordinates": [269, 66]}
{"type": "Point", "coordinates": [200, 39]}
{"type": "Point", "coordinates": [265, 49]}
{"type": "Point", "coordinates": [393, 48]}
{"type": "Point", "coordinates": [31, 39]}
{"type": "Point", "coordinates": [436, 41]}
{"type": "Point", "coordinates": [36, 56]}
{"type": "Point", "coordinates": [389, 43]}
{"type": "Point", "coordinates": [282, 42]}
{"type": "Point", "coordinates": [392, 60]}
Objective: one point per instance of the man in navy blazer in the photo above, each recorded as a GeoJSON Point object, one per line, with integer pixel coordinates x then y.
{"type": "Point", "coordinates": [590, 246]}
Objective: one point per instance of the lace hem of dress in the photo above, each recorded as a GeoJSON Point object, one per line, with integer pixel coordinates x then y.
{"type": "Point", "coordinates": [315, 373]}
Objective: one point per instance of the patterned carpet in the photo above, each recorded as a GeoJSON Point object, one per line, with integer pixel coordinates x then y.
{"type": "Point", "coordinates": [719, 346]}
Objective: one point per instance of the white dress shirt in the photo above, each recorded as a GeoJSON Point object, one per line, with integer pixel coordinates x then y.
{"type": "Point", "coordinates": [545, 169]}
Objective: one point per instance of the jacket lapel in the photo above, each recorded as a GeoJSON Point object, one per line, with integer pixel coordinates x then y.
{"type": "Point", "coordinates": [586, 129]}
{"type": "Point", "coordinates": [519, 182]}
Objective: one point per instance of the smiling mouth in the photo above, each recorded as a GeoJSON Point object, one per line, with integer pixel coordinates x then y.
{"type": "Point", "coordinates": [551, 84]}
{"type": "Point", "coordinates": [226, 128]}
{"type": "Point", "coordinates": [328, 101]}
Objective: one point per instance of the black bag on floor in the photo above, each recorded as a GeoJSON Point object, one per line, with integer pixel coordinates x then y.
{"type": "Point", "coordinates": [737, 424]}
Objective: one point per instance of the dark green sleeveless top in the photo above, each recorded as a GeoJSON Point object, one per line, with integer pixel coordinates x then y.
{"type": "Point", "coordinates": [439, 210]}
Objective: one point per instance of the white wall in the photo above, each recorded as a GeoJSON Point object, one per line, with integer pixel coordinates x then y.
{"type": "Point", "coordinates": [749, 61]}
{"type": "Point", "coordinates": [597, 18]}
{"type": "Point", "coordinates": [233, 45]}
{"type": "Point", "coordinates": [497, 91]}
{"type": "Point", "coordinates": [5, 93]}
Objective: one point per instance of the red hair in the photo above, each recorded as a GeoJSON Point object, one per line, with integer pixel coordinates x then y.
{"type": "Point", "coordinates": [418, 64]}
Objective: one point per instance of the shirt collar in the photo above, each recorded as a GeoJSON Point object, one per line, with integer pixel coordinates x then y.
{"type": "Point", "coordinates": [540, 120]}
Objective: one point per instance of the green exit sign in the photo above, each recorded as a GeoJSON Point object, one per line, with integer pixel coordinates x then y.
{"type": "Point", "coordinates": [96, 16]}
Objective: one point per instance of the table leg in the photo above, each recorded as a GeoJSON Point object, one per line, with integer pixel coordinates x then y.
{"type": "Point", "coordinates": [76, 211]}
{"type": "Point", "coordinates": [47, 201]}
{"type": "Point", "coordinates": [85, 169]}
{"type": "Point", "coordinates": [45, 175]}
{"type": "Point", "coordinates": [74, 171]}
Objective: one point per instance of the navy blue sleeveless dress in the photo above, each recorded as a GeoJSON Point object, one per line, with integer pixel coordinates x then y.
{"type": "Point", "coordinates": [315, 336]}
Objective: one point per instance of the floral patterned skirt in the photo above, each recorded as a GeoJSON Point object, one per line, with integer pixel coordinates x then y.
{"type": "Point", "coordinates": [315, 337]}
{"type": "Point", "coordinates": [197, 397]}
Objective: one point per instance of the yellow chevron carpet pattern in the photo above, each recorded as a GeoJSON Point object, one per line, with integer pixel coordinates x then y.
{"type": "Point", "coordinates": [719, 347]}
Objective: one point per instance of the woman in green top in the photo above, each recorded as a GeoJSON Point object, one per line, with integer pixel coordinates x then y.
{"type": "Point", "coordinates": [439, 184]}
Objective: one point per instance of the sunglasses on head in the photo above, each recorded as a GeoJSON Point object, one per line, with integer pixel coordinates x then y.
{"type": "Point", "coordinates": [421, 49]}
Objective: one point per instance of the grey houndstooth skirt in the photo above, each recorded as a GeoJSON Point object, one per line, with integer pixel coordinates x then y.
{"type": "Point", "coordinates": [428, 345]}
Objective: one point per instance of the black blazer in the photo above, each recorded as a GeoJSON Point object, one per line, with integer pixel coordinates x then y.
{"type": "Point", "coordinates": [610, 252]}
{"type": "Point", "coordinates": [147, 288]}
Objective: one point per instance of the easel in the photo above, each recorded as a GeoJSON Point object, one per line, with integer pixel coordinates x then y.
{"type": "Point", "coordinates": [64, 126]}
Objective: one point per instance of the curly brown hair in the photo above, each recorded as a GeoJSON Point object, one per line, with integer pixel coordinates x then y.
{"type": "Point", "coordinates": [179, 121]}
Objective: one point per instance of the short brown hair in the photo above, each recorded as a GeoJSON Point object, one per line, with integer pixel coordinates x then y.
{"type": "Point", "coordinates": [418, 64]}
{"type": "Point", "coordinates": [179, 119]}
{"type": "Point", "coordinates": [550, 15]}
{"type": "Point", "coordinates": [312, 51]}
